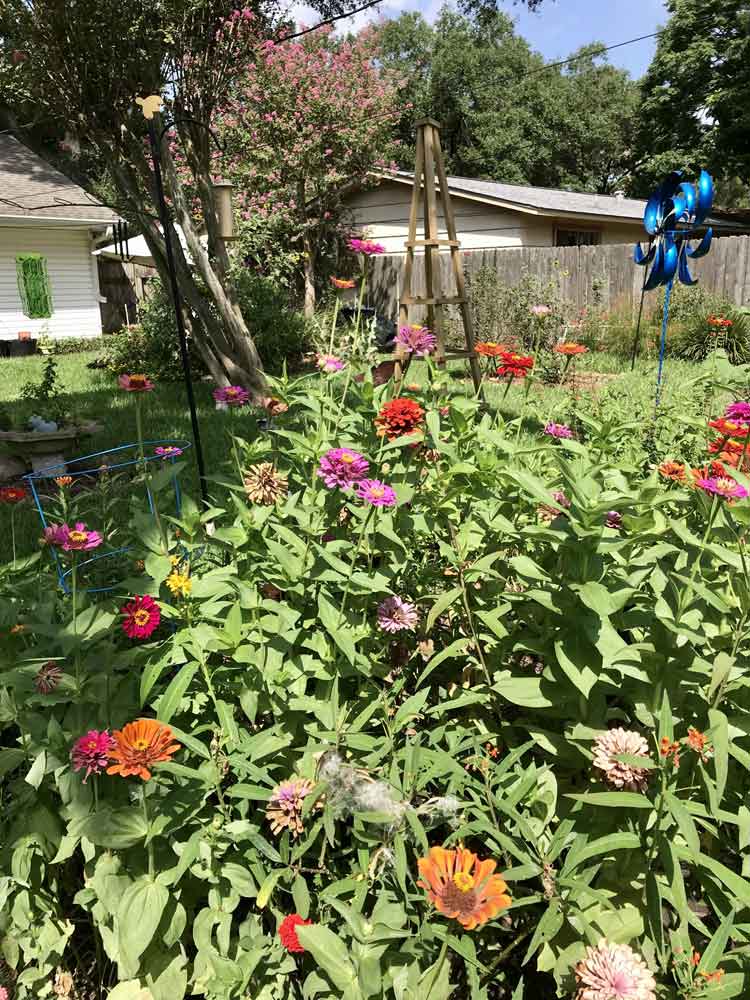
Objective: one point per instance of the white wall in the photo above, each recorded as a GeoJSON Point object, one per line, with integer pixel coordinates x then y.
{"type": "Point", "coordinates": [73, 279]}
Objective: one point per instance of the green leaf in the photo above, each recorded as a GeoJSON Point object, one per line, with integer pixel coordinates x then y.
{"type": "Point", "coordinates": [582, 677]}
{"type": "Point", "coordinates": [722, 667]}
{"type": "Point", "coordinates": [602, 845]}
{"type": "Point", "coordinates": [170, 700]}
{"type": "Point", "coordinates": [329, 617]}
{"type": "Point", "coordinates": [331, 954]}
{"type": "Point", "coordinates": [720, 737]}
{"type": "Point", "coordinates": [441, 604]}
{"type": "Point", "coordinates": [685, 823]}
{"type": "Point", "coordinates": [158, 567]}
{"type": "Point", "coordinates": [711, 957]}
{"type": "Point", "coordinates": [112, 828]}
{"type": "Point", "coordinates": [269, 884]}
{"type": "Point", "coordinates": [10, 758]}
{"type": "Point", "coordinates": [524, 691]}
{"type": "Point", "coordinates": [36, 771]}
{"type": "Point", "coordinates": [616, 800]}
{"type": "Point", "coordinates": [456, 648]}
{"type": "Point", "coordinates": [131, 990]}
{"type": "Point", "coordinates": [301, 896]}
{"type": "Point", "coordinates": [138, 916]}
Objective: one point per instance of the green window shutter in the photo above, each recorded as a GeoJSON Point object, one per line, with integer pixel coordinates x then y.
{"type": "Point", "coordinates": [33, 285]}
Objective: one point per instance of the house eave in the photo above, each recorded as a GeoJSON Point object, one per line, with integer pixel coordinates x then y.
{"type": "Point", "coordinates": [53, 221]}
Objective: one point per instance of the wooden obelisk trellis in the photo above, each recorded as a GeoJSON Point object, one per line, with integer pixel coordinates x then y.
{"type": "Point", "coordinates": [429, 172]}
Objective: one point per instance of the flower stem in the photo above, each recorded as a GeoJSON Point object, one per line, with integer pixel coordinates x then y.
{"type": "Point", "coordinates": [150, 844]}
{"type": "Point", "coordinates": [13, 533]}
{"type": "Point", "coordinates": [74, 597]}
{"type": "Point", "coordinates": [357, 550]}
{"type": "Point", "coordinates": [333, 324]}
{"type": "Point", "coordinates": [687, 593]}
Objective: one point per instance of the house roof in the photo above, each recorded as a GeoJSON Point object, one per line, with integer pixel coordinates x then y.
{"type": "Point", "coordinates": [558, 202]}
{"type": "Point", "coordinates": [32, 191]}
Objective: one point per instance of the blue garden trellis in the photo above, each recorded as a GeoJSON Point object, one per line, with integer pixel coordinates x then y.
{"type": "Point", "coordinates": [86, 467]}
{"type": "Point", "coordinates": [674, 213]}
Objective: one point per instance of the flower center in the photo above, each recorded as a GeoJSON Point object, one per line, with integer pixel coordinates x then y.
{"type": "Point", "coordinates": [348, 459]}
{"type": "Point", "coordinates": [138, 380]}
{"type": "Point", "coordinates": [91, 745]}
{"type": "Point", "coordinates": [377, 491]}
{"type": "Point", "coordinates": [77, 536]}
{"type": "Point", "coordinates": [141, 617]}
{"type": "Point", "coordinates": [725, 486]}
{"type": "Point", "coordinates": [463, 881]}
{"type": "Point", "coordinates": [140, 744]}
{"type": "Point", "coordinates": [622, 984]}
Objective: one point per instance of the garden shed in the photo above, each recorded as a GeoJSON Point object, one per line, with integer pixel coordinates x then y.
{"type": "Point", "coordinates": [49, 284]}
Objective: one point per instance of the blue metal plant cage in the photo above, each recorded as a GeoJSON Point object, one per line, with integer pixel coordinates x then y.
{"type": "Point", "coordinates": [87, 471]}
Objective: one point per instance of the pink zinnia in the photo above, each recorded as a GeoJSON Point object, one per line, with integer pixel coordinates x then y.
{"type": "Point", "coordinates": [558, 430]}
{"type": "Point", "coordinates": [396, 615]}
{"type": "Point", "coordinates": [92, 752]}
{"type": "Point", "coordinates": [142, 616]}
{"type": "Point", "coordinates": [376, 493]}
{"type": "Point", "coordinates": [614, 972]}
{"type": "Point", "coordinates": [231, 395]}
{"type": "Point", "coordinates": [70, 539]}
{"type": "Point", "coordinates": [367, 247]}
{"type": "Point", "coordinates": [168, 451]}
{"type": "Point", "coordinates": [540, 310]}
{"type": "Point", "coordinates": [135, 383]}
{"type": "Point", "coordinates": [738, 411]}
{"type": "Point", "coordinates": [416, 340]}
{"type": "Point", "coordinates": [341, 467]}
{"type": "Point", "coordinates": [330, 363]}
{"type": "Point", "coordinates": [722, 486]}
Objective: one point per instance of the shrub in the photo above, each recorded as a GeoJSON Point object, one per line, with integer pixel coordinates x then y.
{"type": "Point", "coordinates": [69, 345]}
{"type": "Point", "coordinates": [281, 333]}
{"type": "Point", "coordinates": [698, 337]}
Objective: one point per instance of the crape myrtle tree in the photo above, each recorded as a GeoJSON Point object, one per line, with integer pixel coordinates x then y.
{"type": "Point", "coordinates": [307, 121]}
{"type": "Point", "coordinates": [84, 64]}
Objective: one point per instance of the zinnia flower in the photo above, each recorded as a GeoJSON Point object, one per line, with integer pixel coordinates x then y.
{"type": "Point", "coordinates": [135, 383]}
{"type": "Point", "coordinates": [738, 411]}
{"type": "Point", "coordinates": [179, 583]}
{"type": "Point", "coordinates": [63, 481]}
{"type": "Point", "coordinates": [489, 349]}
{"type": "Point", "coordinates": [48, 677]}
{"type": "Point", "coordinates": [398, 417]}
{"type": "Point", "coordinates": [139, 745]}
{"type": "Point", "coordinates": [730, 428]}
{"type": "Point", "coordinates": [231, 395]}
{"type": "Point", "coordinates": [611, 744]}
{"type": "Point", "coordinates": [675, 471]}
{"type": "Point", "coordinates": [288, 932]}
{"type": "Point", "coordinates": [273, 405]}
{"type": "Point", "coordinates": [719, 321]}
{"type": "Point", "coordinates": [330, 363]}
{"type": "Point", "coordinates": [613, 972]}
{"type": "Point", "coordinates": [540, 310]}
{"type": "Point", "coordinates": [342, 467]}
{"type": "Point", "coordinates": [462, 887]}
{"type": "Point", "coordinates": [70, 539]}
{"type": "Point", "coordinates": [12, 494]}
{"type": "Point", "coordinates": [92, 752]}
{"type": "Point", "coordinates": [395, 615]}
{"type": "Point", "coordinates": [366, 247]}
{"type": "Point", "coordinates": [376, 493]}
{"type": "Point", "coordinates": [141, 617]}
{"type": "Point", "coordinates": [264, 485]}
{"type": "Point", "coordinates": [570, 349]}
{"type": "Point", "coordinates": [547, 513]}
{"type": "Point", "coordinates": [168, 451]}
{"type": "Point", "coordinates": [284, 810]}
{"type": "Point", "coordinates": [515, 365]}
{"type": "Point", "coordinates": [723, 486]}
{"type": "Point", "coordinates": [343, 282]}
{"type": "Point", "coordinates": [415, 339]}
{"type": "Point", "coordinates": [613, 519]}
{"type": "Point", "coordinates": [558, 430]}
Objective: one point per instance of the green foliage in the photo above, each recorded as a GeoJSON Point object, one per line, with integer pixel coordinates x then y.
{"type": "Point", "coordinates": [69, 345]}
{"type": "Point", "coordinates": [46, 397]}
{"type": "Point", "coordinates": [281, 333]}
{"type": "Point", "coordinates": [699, 338]}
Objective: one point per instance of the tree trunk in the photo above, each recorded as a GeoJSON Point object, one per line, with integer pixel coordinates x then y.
{"type": "Point", "coordinates": [309, 251]}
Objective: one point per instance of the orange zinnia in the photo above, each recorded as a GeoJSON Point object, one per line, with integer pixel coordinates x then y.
{"type": "Point", "coordinates": [490, 349]}
{"type": "Point", "coordinates": [139, 745]}
{"type": "Point", "coordinates": [673, 470]}
{"type": "Point", "coordinates": [570, 348]}
{"type": "Point", "coordinates": [462, 887]}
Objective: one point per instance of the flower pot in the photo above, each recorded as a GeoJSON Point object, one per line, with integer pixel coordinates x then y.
{"type": "Point", "coordinates": [21, 348]}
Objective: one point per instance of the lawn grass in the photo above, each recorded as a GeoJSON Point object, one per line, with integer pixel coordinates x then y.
{"type": "Point", "coordinates": [93, 394]}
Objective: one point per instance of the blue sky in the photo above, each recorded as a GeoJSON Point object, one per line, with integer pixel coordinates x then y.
{"type": "Point", "coordinates": [561, 26]}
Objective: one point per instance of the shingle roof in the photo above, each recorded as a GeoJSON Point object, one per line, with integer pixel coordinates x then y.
{"type": "Point", "coordinates": [31, 189]}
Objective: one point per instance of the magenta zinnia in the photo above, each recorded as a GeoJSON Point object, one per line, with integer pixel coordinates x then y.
{"type": "Point", "coordinates": [368, 248]}
{"type": "Point", "coordinates": [558, 430]}
{"type": "Point", "coordinates": [738, 411]}
{"type": "Point", "coordinates": [614, 972]}
{"type": "Point", "coordinates": [416, 339]}
{"type": "Point", "coordinates": [722, 486]}
{"type": "Point", "coordinates": [342, 468]}
{"type": "Point", "coordinates": [141, 617]}
{"type": "Point", "coordinates": [168, 451]}
{"type": "Point", "coordinates": [231, 395]}
{"type": "Point", "coordinates": [397, 615]}
{"type": "Point", "coordinates": [614, 743]}
{"type": "Point", "coordinates": [376, 493]}
{"type": "Point", "coordinates": [92, 752]}
{"type": "Point", "coordinates": [78, 538]}
{"type": "Point", "coordinates": [329, 363]}
{"type": "Point", "coordinates": [135, 383]}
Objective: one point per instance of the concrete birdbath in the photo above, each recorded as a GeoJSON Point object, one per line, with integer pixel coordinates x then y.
{"type": "Point", "coordinates": [46, 449]}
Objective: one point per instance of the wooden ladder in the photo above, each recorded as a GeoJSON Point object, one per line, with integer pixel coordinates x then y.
{"type": "Point", "coordinates": [429, 166]}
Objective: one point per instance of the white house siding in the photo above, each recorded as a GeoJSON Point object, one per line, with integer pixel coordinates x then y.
{"type": "Point", "coordinates": [383, 213]}
{"type": "Point", "coordinates": [73, 280]}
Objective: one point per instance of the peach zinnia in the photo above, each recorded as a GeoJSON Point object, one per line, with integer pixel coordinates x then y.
{"type": "Point", "coordinates": [139, 745]}
{"type": "Point", "coordinates": [462, 887]}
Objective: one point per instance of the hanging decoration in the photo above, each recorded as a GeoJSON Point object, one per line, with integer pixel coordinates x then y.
{"type": "Point", "coordinates": [674, 214]}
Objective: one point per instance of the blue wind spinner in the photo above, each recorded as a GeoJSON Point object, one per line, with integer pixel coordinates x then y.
{"type": "Point", "coordinates": [674, 213]}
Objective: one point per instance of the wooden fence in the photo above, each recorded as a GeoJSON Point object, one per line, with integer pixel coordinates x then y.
{"type": "Point", "coordinates": [604, 274]}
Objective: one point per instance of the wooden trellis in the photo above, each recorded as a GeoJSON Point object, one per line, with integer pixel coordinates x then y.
{"type": "Point", "coordinates": [431, 184]}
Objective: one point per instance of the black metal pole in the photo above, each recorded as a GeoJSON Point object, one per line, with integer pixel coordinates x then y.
{"type": "Point", "coordinates": [640, 313]}
{"type": "Point", "coordinates": [175, 290]}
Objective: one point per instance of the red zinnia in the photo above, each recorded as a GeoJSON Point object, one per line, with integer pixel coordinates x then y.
{"type": "Point", "coordinates": [515, 365]}
{"type": "Point", "coordinates": [399, 417]}
{"type": "Point", "coordinates": [141, 617]}
{"type": "Point", "coordinates": [288, 931]}
{"type": "Point", "coordinates": [12, 494]}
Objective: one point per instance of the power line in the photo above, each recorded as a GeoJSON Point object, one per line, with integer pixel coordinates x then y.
{"type": "Point", "coordinates": [599, 49]}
